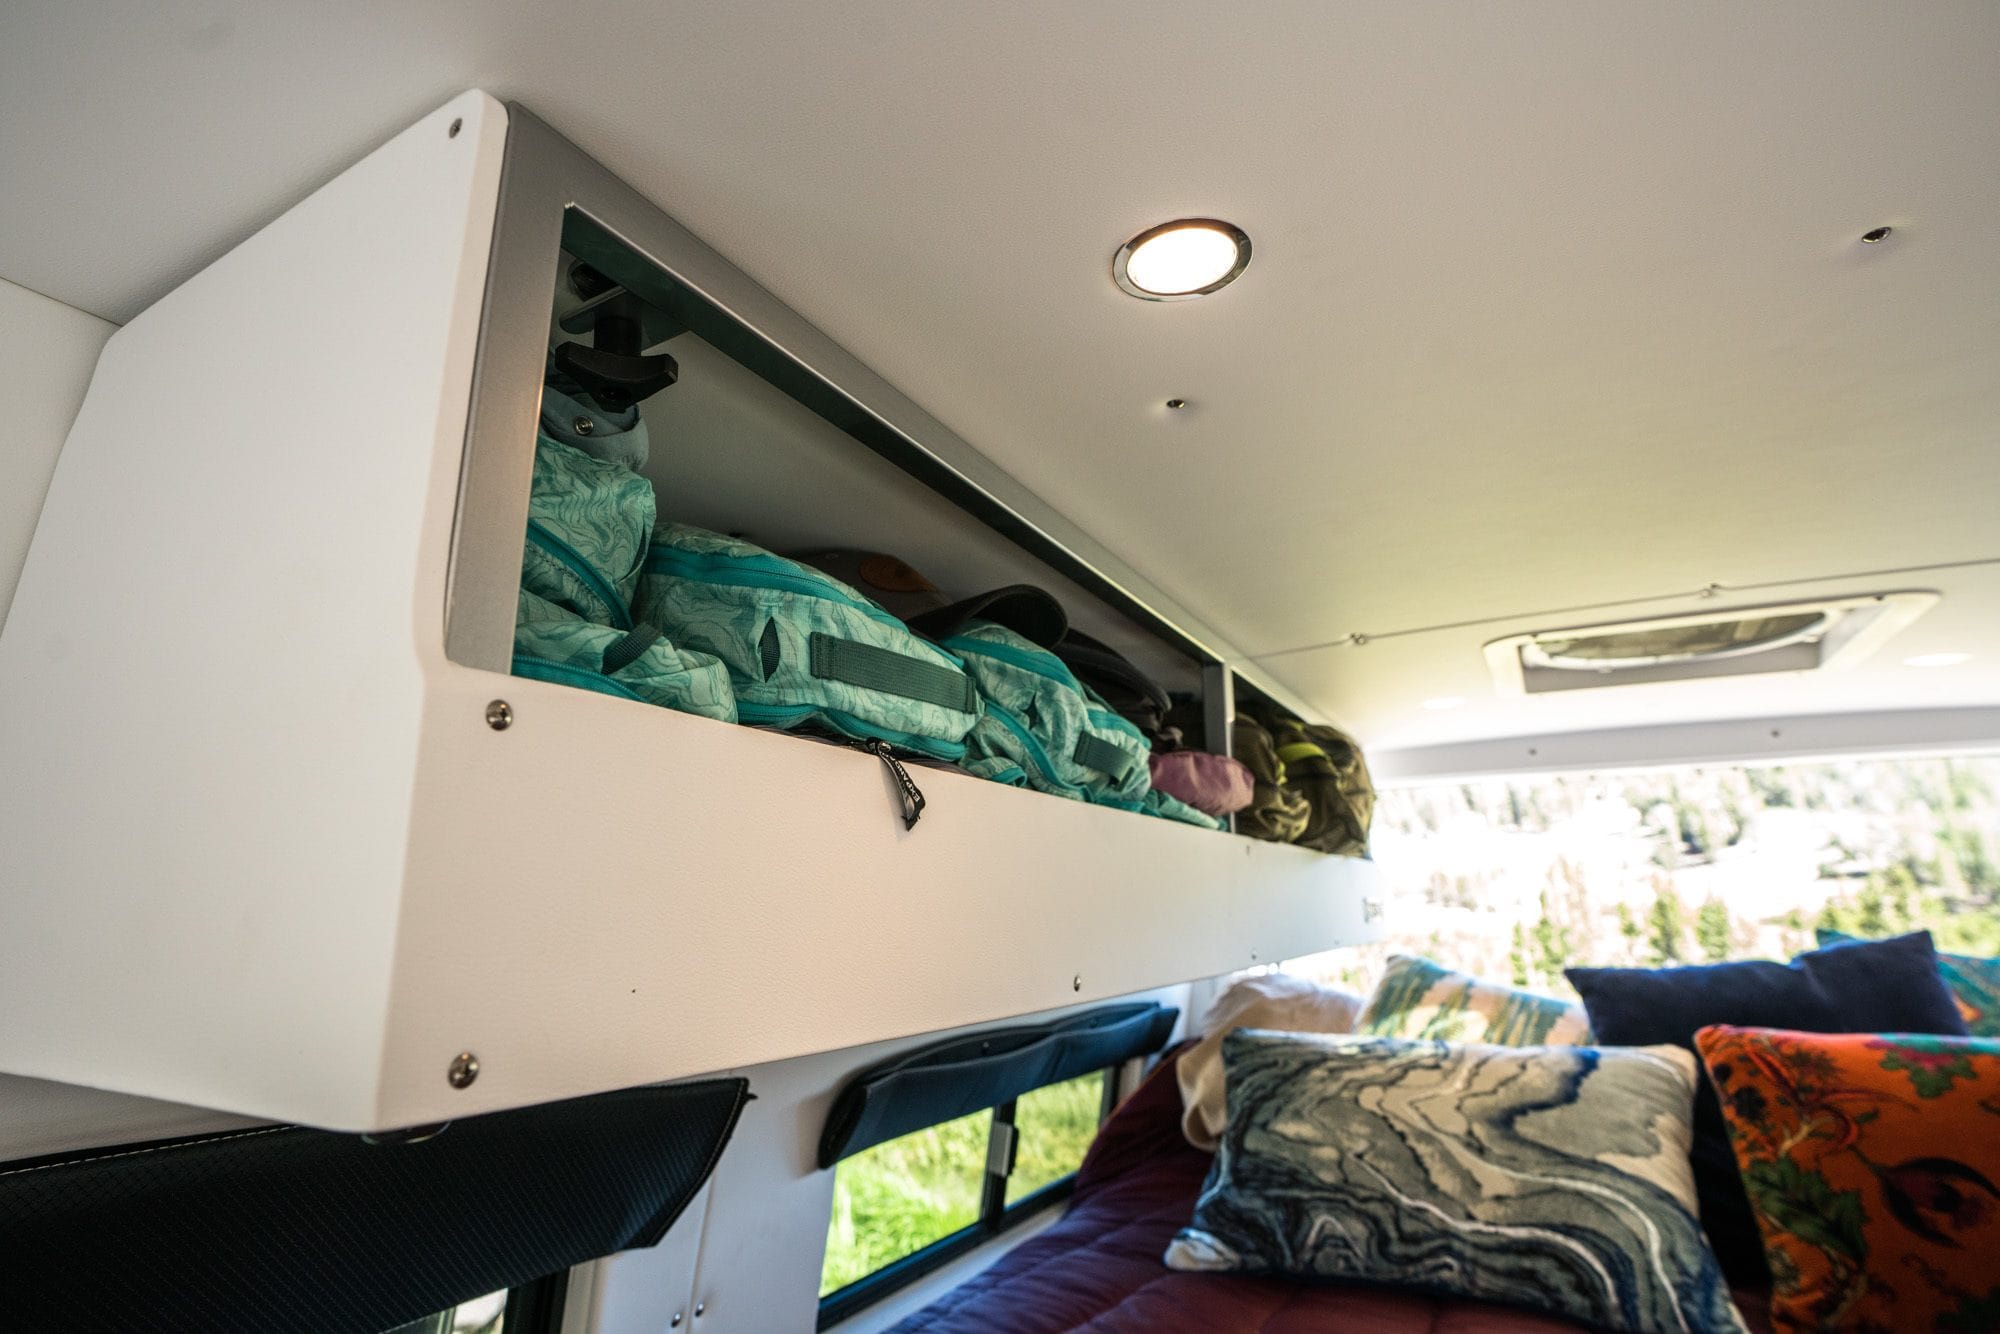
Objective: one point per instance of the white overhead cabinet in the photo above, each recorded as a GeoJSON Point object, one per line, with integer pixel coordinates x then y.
{"type": "Point", "coordinates": [266, 845]}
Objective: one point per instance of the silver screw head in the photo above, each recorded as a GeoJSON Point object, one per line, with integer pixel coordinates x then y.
{"type": "Point", "coordinates": [499, 715]}
{"type": "Point", "coordinates": [463, 1070]}
{"type": "Point", "coordinates": [1076, 983]}
{"type": "Point", "coordinates": [583, 425]}
{"type": "Point", "coordinates": [675, 1323]}
{"type": "Point", "coordinates": [700, 1309]}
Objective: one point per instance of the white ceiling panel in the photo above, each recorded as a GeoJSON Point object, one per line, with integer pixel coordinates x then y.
{"type": "Point", "coordinates": [1552, 304]}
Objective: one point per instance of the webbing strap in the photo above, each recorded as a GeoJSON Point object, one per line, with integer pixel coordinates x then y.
{"type": "Point", "coordinates": [892, 673]}
{"type": "Point", "coordinates": [1096, 753]}
{"type": "Point", "coordinates": [1300, 750]}
{"type": "Point", "coordinates": [622, 653]}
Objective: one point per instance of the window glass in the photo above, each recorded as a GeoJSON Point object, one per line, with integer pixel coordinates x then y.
{"type": "Point", "coordinates": [899, 1197]}
{"type": "Point", "coordinates": [1518, 878]}
{"type": "Point", "coordinates": [481, 1315]}
{"type": "Point", "coordinates": [1055, 1126]}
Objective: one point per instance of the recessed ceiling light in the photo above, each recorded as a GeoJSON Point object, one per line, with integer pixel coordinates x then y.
{"type": "Point", "coordinates": [1443, 702]}
{"type": "Point", "coordinates": [1177, 260]}
{"type": "Point", "coordinates": [1937, 660]}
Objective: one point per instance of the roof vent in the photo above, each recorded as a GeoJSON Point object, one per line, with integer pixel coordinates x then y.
{"type": "Point", "coordinates": [1743, 641]}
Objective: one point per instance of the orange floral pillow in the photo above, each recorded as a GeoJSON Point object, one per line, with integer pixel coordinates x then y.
{"type": "Point", "coordinates": [1873, 1165]}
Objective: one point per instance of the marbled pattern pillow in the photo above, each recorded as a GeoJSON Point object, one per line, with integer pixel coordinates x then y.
{"type": "Point", "coordinates": [1419, 999]}
{"type": "Point", "coordinates": [1550, 1178]}
{"type": "Point", "coordinates": [1262, 1000]}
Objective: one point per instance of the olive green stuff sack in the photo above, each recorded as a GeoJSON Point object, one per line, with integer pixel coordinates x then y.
{"type": "Point", "coordinates": [1325, 766]}
{"type": "Point", "coordinates": [1276, 813]}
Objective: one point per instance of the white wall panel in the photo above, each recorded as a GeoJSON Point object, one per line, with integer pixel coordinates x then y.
{"type": "Point", "coordinates": [652, 1291]}
{"type": "Point", "coordinates": [47, 351]}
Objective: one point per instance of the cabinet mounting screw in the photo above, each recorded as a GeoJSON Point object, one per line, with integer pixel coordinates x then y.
{"type": "Point", "coordinates": [499, 715]}
{"type": "Point", "coordinates": [464, 1069]}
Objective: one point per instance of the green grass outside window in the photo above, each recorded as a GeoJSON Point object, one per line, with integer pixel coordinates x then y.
{"type": "Point", "coordinates": [897, 1198]}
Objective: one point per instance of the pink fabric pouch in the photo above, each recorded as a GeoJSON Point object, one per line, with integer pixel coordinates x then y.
{"type": "Point", "coordinates": [1214, 784]}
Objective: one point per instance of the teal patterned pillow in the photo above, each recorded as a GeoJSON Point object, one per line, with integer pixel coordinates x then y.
{"type": "Point", "coordinates": [1419, 999]}
{"type": "Point", "coordinates": [1554, 1179]}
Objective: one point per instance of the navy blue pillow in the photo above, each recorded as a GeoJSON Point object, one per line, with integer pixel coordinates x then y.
{"type": "Point", "coordinates": [1880, 986]}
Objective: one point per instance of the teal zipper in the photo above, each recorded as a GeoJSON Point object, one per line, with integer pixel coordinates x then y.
{"type": "Point", "coordinates": [587, 574]}
{"type": "Point", "coordinates": [1045, 665]}
{"type": "Point", "coordinates": [1040, 757]}
{"type": "Point", "coordinates": [1104, 718]}
{"type": "Point", "coordinates": [760, 572]}
{"type": "Point", "coordinates": [790, 715]}
{"type": "Point", "coordinates": [565, 674]}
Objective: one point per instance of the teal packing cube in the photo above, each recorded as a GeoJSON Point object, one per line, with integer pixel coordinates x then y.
{"type": "Point", "coordinates": [1043, 728]}
{"type": "Point", "coordinates": [802, 648]}
{"type": "Point", "coordinates": [589, 519]}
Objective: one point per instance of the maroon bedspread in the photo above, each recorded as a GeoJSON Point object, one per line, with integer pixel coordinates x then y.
{"type": "Point", "coordinates": [1099, 1269]}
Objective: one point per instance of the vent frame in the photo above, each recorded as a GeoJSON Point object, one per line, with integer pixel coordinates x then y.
{"type": "Point", "coordinates": [1852, 628]}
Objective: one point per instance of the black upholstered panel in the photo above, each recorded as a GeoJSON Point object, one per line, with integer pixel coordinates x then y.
{"type": "Point", "coordinates": [285, 1229]}
{"type": "Point", "coordinates": [962, 1075]}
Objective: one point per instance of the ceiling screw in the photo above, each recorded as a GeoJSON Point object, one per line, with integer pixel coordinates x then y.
{"type": "Point", "coordinates": [1874, 234]}
{"type": "Point", "coordinates": [1076, 983]}
{"type": "Point", "coordinates": [499, 715]}
{"type": "Point", "coordinates": [464, 1069]}
{"type": "Point", "coordinates": [700, 1309]}
{"type": "Point", "coordinates": [456, 126]}
{"type": "Point", "coordinates": [1176, 403]}
{"type": "Point", "coordinates": [675, 1323]}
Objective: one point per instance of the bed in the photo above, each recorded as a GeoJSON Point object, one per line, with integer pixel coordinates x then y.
{"type": "Point", "coordinates": [1099, 1268]}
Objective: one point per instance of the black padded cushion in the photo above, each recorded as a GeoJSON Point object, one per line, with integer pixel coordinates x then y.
{"type": "Point", "coordinates": [291, 1229]}
{"type": "Point", "coordinates": [959, 1076]}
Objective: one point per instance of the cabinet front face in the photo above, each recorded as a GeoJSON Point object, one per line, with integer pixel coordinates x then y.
{"type": "Point", "coordinates": [310, 852]}
{"type": "Point", "coordinates": [217, 663]}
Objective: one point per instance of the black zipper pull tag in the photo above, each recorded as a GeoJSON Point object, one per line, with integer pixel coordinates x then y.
{"type": "Point", "coordinates": [913, 799]}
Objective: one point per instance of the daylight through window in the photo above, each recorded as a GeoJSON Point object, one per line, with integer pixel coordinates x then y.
{"type": "Point", "coordinates": [970, 1177]}
{"type": "Point", "coordinates": [1517, 879]}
